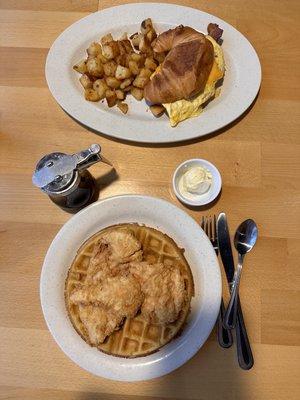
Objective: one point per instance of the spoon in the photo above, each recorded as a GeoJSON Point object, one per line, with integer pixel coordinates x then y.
{"type": "Point", "coordinates": [244, 240]}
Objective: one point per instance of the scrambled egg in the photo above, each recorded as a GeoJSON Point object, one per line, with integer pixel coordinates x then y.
{"type": "Point", "coordinates": [183, 109]}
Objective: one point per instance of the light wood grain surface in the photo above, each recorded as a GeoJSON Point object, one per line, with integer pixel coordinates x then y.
{"type": "Point", "coordinates": [259, 161]}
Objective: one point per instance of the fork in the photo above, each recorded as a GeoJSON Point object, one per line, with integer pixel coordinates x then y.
{"type": "Point", "coordinates": [209, 225]}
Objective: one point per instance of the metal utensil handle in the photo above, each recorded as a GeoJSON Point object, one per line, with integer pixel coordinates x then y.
{"type": "Point", "coordinates": [224, 335]}
{"type": "Point", "coordinates": [88, 157]}
{"type": "Point", "coordinates": [231, 312]}
{"type": "Point", "coordinates": [244, 352]}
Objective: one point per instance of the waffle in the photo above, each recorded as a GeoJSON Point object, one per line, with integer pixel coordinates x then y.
{"type": "Point", "coordinates": [136, 337]}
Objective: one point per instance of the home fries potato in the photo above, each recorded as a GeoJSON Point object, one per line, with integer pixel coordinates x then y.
{"type": "Point", "coordinates": [115, 68]}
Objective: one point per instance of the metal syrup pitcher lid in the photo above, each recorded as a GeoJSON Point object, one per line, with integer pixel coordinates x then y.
{"type": "Point", "coordinates": [57, 171]}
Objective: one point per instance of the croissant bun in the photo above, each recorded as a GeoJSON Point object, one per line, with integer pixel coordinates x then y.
{"type": "Point", "coordinates": [186, 68]}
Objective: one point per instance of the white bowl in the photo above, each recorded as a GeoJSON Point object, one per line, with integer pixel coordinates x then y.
{"type": "Point", "coordinates": [199, 253]}
{"type": "Point", "coordinates": [210, 195]}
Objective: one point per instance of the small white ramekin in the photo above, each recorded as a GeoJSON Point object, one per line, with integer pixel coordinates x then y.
{"type": "Point", "coordinates": [205, 198]}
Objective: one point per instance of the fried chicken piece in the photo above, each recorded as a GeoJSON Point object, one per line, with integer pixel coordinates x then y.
{"type": "Point", "coordinates": [119, 294]}
{"type": "Point", "coordinates": [98, 322]}
{"type": "Point", "coordinates": [109, 293]}
{"type": "Point", "coordinates": [142, 271]}
{"type": "Point", "coordinates": [99, 262]}
{"type": "Point", "coordinates": [164, 291]}
{"type": "Point", "coordinates": [103, 306]}
{"type": "Point", "coordinates": [124, 247]}
{"type": "Point", "coordinates": [110, 255]}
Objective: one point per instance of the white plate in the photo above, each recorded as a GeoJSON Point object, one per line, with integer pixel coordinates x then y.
{"type": "Point", "coordinates": [199, 253]}
{"type": "Point", "coordinates": [241, 82]}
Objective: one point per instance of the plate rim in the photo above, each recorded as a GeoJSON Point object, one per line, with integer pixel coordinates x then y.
{"type": "Point", "coordinates": [182, 356]}
{"type": "Point", "coordinates": [107, 130]}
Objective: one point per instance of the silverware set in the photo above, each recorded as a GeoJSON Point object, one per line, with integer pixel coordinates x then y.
{"type": "Point", "coordinates": [232, 319]}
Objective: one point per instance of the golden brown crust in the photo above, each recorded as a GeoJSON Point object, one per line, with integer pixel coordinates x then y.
{"type": "Point", "coordinates": [185, 69]}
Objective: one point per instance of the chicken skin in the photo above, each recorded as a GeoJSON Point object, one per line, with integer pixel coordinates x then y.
{"type": "Point", "coordinates": [164, 290]}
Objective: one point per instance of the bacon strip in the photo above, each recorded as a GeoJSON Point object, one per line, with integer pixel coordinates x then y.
{"type": "Point", "coordinates": [214, 31]}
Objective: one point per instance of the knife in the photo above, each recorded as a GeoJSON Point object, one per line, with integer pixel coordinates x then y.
{"type": "Point", "coordinates": [245, 356]}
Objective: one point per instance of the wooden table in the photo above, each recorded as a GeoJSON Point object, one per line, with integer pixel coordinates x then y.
{"type": "Point", "coordinates": [259, 161]}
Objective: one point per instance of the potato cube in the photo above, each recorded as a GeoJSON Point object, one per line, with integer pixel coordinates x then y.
{"type": "Point", "coordinates": [95, 67]}
{"type": "Point", "coordinates": [125, 83]}
{"type": "Point", "coordinates": [110, 68]}
{"type": "Point", "coordinates": [80, 67]}
{"type": "Point", "coordinates": [112, 82]}
{"type": "Point", "coordinates": [121, 59]}
{"type": "Point", "coordinates": [122, 72]}
{"type": "Point", "coordinates": [122, 48]}
{"type": "Point", "coordinates": [100, 86]}
{"type": "Point", "coordinates": [127, 60]}
{"type": "Point", "coordinates": [94, 49]}
{"type": "Point", "coordinates": [120, 94]}
{"type": "Point", "coordinates": [150, 64]}
{"type": "Point", "coordinates": [86, 82]}
{"type": "Point", "coordinates": [137, 93]}
{"type": "Point", "coordinates": [138, 58]}
{"type": "Point", "coordinates": [157, 110]}
{"type": "Point", "coordinates": [125, 47]}
{"type": "Point", "coordinates": [151, 35]}
{"type": "Point", "coordinates": [140, 81]}
{"type": "Point", "coordinates": [146, 26]}
{"type": "Point", "coordinates": [111, 50]}
{"type": "Point", "coordinates": [146, 72]}
{"type": "Point", "coordinates": [111, 98]}
{"type": "Point", "coordinates": [102, 59]}
{"type": "Point", "coordinates": [134, 68]}
{"type": "Point", "coordinates": [91, 95]}
{"type": "Point", "coordinates": [135, 39]}
{"type": "Point", "coordinates": [145, 46]}
{"type": "Point", "coordinates": [128, 89]}
{"type": "Point", "coordinates": [106, 39]}
{"type": "Point", "coordinates": [123, 107]}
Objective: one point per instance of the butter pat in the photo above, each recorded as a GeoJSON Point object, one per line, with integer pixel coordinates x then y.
{"type": "Point", "coordinates": [194, 182]}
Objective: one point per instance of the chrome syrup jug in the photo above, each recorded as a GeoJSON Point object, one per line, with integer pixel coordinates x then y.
{"type": "Point", "coordinates": [65, 179]}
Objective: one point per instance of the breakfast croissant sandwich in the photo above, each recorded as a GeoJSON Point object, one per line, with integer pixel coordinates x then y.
{"type": "Point", "coordinates": [188, 77]}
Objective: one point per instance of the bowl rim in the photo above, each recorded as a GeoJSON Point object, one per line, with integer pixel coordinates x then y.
{"type": "Point", "coordinates": [204, 163]}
